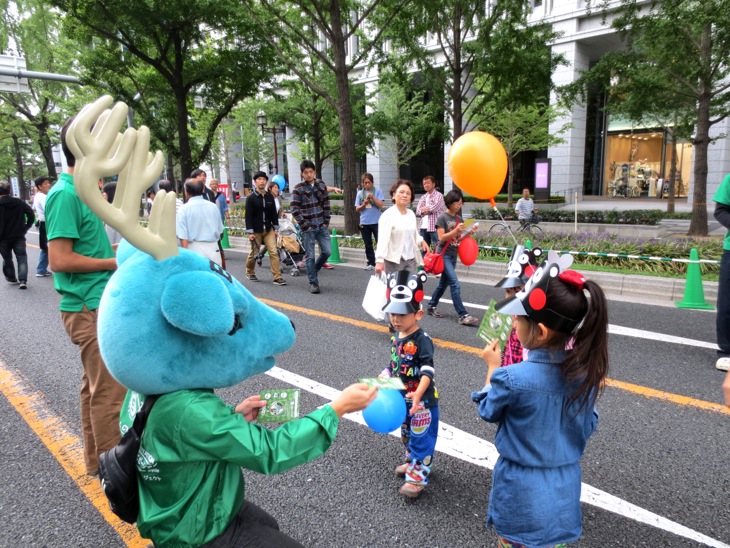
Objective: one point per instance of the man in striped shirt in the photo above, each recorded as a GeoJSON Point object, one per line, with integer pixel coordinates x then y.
{"type": "Point", "coordinates": [430, 206]}
{"type": "Point", "coordinates": [525, 207]}
{"type": "Point", "coordinates": [310, 206]}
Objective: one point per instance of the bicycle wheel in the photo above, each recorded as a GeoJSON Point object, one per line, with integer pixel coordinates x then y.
{"type": "Point", "coordinates": [499, 229]}
{"type": "Point", "coordinates": [533, 230]}
{"type": "Point", "coordinates": [636, 191]}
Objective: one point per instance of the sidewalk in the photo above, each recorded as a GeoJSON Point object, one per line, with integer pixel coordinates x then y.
{"type": "Point", "coordinates": [622, 287]}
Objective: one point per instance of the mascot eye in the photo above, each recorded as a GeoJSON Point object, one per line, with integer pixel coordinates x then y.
{"type": "Point", "coordinates": [236, 325]}
{"type": "Point", "coordinates": [413, 284]}
{"type": "Point", "coordinates": [392, 282]}
{"type": "Point", "coordinates": [523, 259]}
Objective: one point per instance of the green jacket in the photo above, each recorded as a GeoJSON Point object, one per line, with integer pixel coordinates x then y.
{"type": "Point", "coordinates": [190, 459]}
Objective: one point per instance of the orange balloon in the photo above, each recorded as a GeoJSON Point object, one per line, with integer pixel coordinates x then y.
{"type": "Point", "coordinates": [478, 164]}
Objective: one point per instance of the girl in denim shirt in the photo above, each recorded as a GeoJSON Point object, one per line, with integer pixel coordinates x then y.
{"type": "Point", "coordinates": [545, 405]}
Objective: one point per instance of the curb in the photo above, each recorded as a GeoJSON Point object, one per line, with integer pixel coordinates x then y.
{"type": "Point", "coordinates": [625, 287]}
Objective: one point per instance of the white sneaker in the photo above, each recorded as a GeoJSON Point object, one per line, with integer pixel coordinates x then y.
{"type": "Point", "coordinates": [723, 364]}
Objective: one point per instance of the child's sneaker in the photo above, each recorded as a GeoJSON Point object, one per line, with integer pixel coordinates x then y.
{"type": "Point", "coordinates": [412, 490]}
{"type": "Point", "coordinates": [401, 469]}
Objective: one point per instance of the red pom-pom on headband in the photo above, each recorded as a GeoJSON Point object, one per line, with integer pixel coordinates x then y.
{"type": "Point", "coordinates": [573, 278]}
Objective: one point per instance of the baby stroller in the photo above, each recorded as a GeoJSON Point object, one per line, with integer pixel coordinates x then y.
{"type": "Point", "coordinates": [289, 245]}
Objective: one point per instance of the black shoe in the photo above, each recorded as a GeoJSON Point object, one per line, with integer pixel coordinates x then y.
{"type": "Point", "coordinates": [252, 277]}
{"type": "Point", "coordinates": [22, 285]}
{"type": "Point", "coordinates": [12, 282]}
{"type": "Point", "coordinates": [313, 288]}
{"type": "Point", "coordinates": [279, 281]}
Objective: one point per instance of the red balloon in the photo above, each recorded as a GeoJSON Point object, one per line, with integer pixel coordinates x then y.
{"type": "Point", "coordinates": [478, 164]}
{"type": "Point", "coordinates": [468, 251]}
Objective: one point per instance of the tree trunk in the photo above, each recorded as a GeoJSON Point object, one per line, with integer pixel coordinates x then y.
{"type": "Point", "coordinates": [698, 224]}
{"type": "Point", "coordinates": [317, 145]}
{"type": "Point", "coordinates": [171, 174]}
{"type": "Point", "coordinates": [672, 172]}
{"type": "Point", "coordinates": [186, 163]}
{"type": "Point", "coordinates": [45, 146]}
{"type": "Point", "coordinates": [457, 91]}
{"type": "Point", "coordinates": [23, 190]}
{"type": "Point", "coordinates": [344, 112]}
{"type": "Point", "coordinates": [510, 181]}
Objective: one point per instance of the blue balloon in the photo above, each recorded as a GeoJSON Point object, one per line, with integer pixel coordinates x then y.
{"type": "Point", "coordinates": [386, 412]}
{"type": "Point", "coordinates": [279, 180]}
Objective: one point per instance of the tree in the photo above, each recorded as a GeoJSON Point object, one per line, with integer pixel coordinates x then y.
{"type": "Point", "coordinates": [172, 54]}
{"type": "Point", "coordinates": [406, 117]}
{"type": "Point", "coordinates": [522, 128]}
{"type": "Point", "coordinates": [474, 49]}
{"type": "Point", "coordinates": [34, 31]}
{"type": "Point", "coordinates": [325, 29]}
{"type": "Point", "coordinates": [686, 44]}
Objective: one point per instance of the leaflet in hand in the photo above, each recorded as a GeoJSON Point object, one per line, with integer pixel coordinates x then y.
{"type": "Point", "coordinates": [385, 383]}
{"type": "Point", "coordinates": [282, 405]}
{"type": "Point", "coordinates": [495, 326]}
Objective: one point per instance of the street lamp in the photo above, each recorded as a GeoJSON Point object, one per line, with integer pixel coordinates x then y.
{"type": "Point", "coordinates": [261, 118]}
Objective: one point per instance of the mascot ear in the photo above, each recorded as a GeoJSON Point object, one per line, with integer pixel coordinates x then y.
{"type": "Point", "coordinates": [198, 303]}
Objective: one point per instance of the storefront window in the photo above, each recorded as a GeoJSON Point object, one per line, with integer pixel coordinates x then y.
{"type": "Point", "coordinates": [633, 164]}
{"type": "Point", "coordinates": [638, 163]}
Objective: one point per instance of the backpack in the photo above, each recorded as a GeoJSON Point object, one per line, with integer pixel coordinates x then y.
{"type": "Point", "coordinates": [118, 468]}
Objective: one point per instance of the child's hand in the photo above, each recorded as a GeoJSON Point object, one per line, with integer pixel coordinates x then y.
{"type": "Point", "coordinates": [355, 397]}
{"type": "Point", "coordinates": [249, 407]}
{"type": "Point", "coordinates": [415, 402]}
{"type": "Point", "coordinates": [492, 354]}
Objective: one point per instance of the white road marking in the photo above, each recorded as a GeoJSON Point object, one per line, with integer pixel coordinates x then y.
{"type": "Point", "coordinates": [625, 331]}
{"type": "Point", "coordinates": [462, 445]}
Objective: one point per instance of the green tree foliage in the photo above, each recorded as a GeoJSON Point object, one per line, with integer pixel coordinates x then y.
{"type": "Point", "coordinates": [477, 51]}
{"type": "Point", "coordinates": [685, 45]}
{"type": "Point", "coordinates": [32, 28]}
{"type": "Point", "coordinates": [177, 55]}
{"type": "Point", "coordinates": [522, 128]}
{"type": "Point", "coordinates": [340, 34]}
{"type": "Point", "coordinates": [406, 116]}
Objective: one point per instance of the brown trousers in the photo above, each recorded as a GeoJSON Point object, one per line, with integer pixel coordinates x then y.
{"type": "Point", "coordinates": [269, 239]}
{"type": "Point", "coordinates": [101, 395]}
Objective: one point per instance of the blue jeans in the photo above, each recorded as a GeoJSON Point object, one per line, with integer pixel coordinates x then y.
{"type": "Point", "coordinates": [7, 249]}
{"type": "Point", "coordinates": [723, 307]}
{"type": "Point", "coordinates": [42, 267]}
{"type": "Point", "coordinates": [448, 278]}
{"type": "Point", "coordinates": [430, 238]}
{"type": "Point", "coordinates": [368, 233]}
{"type": "Point", "coordinates": [322, 237]}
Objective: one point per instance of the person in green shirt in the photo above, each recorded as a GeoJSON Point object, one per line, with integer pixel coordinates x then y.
{"type": "Point", "coordinates": [83, 260]}
{"type": "Point", "coordinates": [722, 214]}
{"type": "Point", "coordinates": [189, 466]}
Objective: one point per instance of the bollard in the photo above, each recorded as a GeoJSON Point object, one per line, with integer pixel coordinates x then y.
{"type": "Point", "coordinates": [225, 244]}
{"type": "Point", "coordinates": [694, 293]}
{"type": "Point", "coordinates": [335, 255]}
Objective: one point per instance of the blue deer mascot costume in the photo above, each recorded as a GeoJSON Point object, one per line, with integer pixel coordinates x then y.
{"type": "Point", "coordinates": [174, 323]}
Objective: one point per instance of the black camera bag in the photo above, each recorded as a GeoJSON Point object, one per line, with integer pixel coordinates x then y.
{"type": "Point", "coordinates": [118, 467]}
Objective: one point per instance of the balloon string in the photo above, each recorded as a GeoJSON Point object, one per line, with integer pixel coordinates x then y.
{"type": "Point", "coordinates": [505, 224]}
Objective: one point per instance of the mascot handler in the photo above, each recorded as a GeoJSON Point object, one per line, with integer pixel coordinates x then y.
{"type": "Point", "coordinates": [193, 447]}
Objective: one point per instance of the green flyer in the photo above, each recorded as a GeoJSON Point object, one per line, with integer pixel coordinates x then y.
{"type": "Point", "coordinates": [385, 383]}
{"type": "Point", "coordinates": [282, 405]}
{"type": "Point", "coordinates": [495, 326]}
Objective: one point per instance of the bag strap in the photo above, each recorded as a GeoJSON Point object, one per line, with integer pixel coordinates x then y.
{"type": "Point", "coordinates": [140, 419]}
{"type": "Point", "coordinates": [447, 244]}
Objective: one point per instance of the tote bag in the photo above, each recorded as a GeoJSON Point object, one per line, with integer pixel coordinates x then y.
{"type": "Point", "coordinates": [375, 297]}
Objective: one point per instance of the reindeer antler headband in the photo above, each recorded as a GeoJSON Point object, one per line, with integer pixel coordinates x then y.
{"type": "Point", "coordinates": [102, 151]}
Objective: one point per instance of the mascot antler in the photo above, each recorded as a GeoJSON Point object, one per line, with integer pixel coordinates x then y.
{"type": "Point", "coordinates": [101, 151]}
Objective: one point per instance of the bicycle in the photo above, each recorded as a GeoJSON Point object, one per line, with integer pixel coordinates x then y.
{"type": "Point", "coordinates": [527, 226]}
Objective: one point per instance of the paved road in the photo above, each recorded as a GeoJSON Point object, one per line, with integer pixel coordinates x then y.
{"type": "Point", "coordinates": [655, 472]}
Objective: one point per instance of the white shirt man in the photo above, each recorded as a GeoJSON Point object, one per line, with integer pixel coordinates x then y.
{"type": "Point", "coordinates": [525, 206]}
{"type": "Point", "coordinates": [199, 224]}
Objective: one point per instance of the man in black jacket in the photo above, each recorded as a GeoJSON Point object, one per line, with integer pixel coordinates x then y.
{"type": "Point", "coordinates": [16, 217]}
{"type": "Point", "coordinates": [262, 225]}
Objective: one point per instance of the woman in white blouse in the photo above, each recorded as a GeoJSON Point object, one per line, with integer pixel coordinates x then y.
{"type": "Point", "coordinates": [399, 242]}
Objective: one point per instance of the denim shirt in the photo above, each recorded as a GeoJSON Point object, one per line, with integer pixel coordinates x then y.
{"type": "Point", "coordinates": [535, 497]}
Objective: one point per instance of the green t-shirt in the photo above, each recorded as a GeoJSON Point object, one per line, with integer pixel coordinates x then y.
{"type": "Point", "coordinates": [722, 196]}
{"type": "Point", "coordinates": [68, 217]}
{"type": "Point", "coordinates": [190, 459]}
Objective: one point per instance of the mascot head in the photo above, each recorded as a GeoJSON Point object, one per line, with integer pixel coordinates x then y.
{"type": "Point", "coordinates": [169, 318]}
